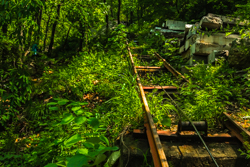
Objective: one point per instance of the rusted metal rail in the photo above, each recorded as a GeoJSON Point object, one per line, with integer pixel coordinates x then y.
{"type": "Point", "coordinates": [154, 136]}
{"type": "Point", "coordinates": [156, 148]}
{"type": "Point", "coordinates": [149, 68]}
{"type": "Point", "coordinates": [235, 128]}
{"type": "Point", "coordinates": [170, 68]}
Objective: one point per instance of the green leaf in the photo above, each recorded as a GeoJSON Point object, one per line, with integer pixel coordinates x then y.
{"type": "Point", "coordinates": [88, 145]}
{"type": "Point", "coordinates": [72, 140]}
{"type": "Point", "coordinates": [100, 158]}
{"type": "Point", "coordinates": [58, 99]}
{"type": "Point", "coordinates": [83, 103]}
{"type": "Point", "coordinates": [112, 159]}
{"type": "Point", "coordinates": [111, 148]}
{"type": "Point", "coordinates": [93, 140]}
{"type": "Point", "coordinates": [73, 104]}
{"type": "Point", "coordinates": [77, 160]}
{"type": "Point", "coordinates": [57, 141]}
{"type": "Point", "coordinates": [228, 33]}
{"type": "Point", "coordinates": [51, 165]}
{"type": "Point", "coordinates": [94, 122]}
{"type": "Point", "coordinates": [63, 102]}
{"type": "Point", "coordinates": [79, 112]}
{"type": "Point", "coordinates": [67, 119]}
{"type": "Point", "coordinates": [76, 108]}
{"type": "Point", "coordinates": [80, 120]}
{"type": "Point", "coordinates": [76, 127]}
{"type": "Point", "coordinates": [52, 103]}
{"type": "Point", "coordinates": [54, 108]}
{"type": "Point", "coordinates": [88, 114]}
{"type": "Point", "coordinates": [155, 120]}
{"type": "Point", "coordinates": [83, 151]}
{"type": "Point", "coordinates": [105, 140]}
{"type": "Point", "coordinates": [166, 121]}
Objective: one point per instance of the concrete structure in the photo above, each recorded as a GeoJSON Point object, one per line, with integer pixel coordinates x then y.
{"type": "Point", "coordinates": [205, 46]}
{"type": "Point", "coordinates": [172, 29]}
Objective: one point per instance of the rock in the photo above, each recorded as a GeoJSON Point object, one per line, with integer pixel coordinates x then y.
{"type": "Point", "coordinates": [211, 22]}
{"type": "Point", "coordinates": [229, 20]}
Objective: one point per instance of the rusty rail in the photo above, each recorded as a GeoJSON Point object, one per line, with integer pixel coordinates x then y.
{"type": "Point", "coordinates": [149, 68]}
{"type": "Point", "coordinates": [157, 151]}
{"type": "Point", "coordinates": [170, 68]}
{"type": "Point", "coordinates": [156, 148]}
{"type": "Point", "coordinates": [235, 128]}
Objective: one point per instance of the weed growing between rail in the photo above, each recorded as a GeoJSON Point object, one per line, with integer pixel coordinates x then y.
{"type": "Point", "coordinates": [211, 91]}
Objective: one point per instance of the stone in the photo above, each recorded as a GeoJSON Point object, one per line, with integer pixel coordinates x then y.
{"type": "Point", "coordinates": [229, 20]}
{"type": "Point", "coordinates": [211, 22]}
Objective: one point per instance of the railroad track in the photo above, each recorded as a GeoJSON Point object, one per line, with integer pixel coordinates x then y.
{"type": "Point", "coordinates": [155, 136]}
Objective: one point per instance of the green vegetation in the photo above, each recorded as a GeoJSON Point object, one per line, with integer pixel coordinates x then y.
{"type": "Point", "coordinates": [67, 103]}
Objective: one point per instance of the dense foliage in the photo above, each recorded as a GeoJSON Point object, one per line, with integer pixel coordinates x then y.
{"type": "Point", "coordinates": [66, 103]}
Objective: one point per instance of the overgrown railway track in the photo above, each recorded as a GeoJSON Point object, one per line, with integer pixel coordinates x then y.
{"type": "Point", "coordinates": [154, 136]}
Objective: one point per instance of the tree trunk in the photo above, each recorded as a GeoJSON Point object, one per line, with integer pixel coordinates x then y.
{"type": "Point", "coordinates": [4, 56]}
{"type": "Point", "coordinates": [54, 30]}
{"type": "Point", "coordinates": [66, 40]}
{"type": "Point", "coordinates": [5, 28]}
{"type": "Point", "coordinates": [138, 16]}
{"type": "Point", "coordinates": [111, 8]}
{"type": "Point", "coordinates": [131, 17]}
{"type": "Point", "coordinates": [141, 11]}
{"type": "Point", "coordinates": [26, 47]}
{"type": "Point", "coordinates": [118, 12]}
{"type": "Point", "coordinates": [176, 4]}
{"type": "Point", "coordinates": [39, 19]}
{"type": "Point", "coordinates": [82, 38]}
{"type": "Point", "coordinates": [107, 22]}
{"type": "Point", "coordinates": [46, 31]}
